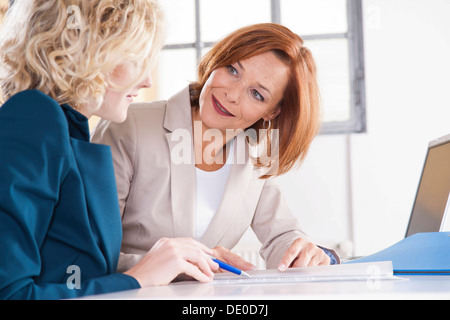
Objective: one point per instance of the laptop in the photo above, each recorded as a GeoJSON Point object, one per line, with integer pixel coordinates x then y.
{"type": "Point", "coordinates": [428, 234]}
{"type": "Point", "coordinates": [431, 209]}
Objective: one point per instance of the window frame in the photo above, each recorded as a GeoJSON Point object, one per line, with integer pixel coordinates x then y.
{"type": "Point", "coordinates": [355, 37]}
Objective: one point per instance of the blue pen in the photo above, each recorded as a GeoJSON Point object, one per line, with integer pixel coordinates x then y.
{"type": "Point", "coordinates": [227, 267]}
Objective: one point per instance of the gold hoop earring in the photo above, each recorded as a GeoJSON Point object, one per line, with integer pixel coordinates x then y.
{"type": "Point", "coordinates": [267, 127]}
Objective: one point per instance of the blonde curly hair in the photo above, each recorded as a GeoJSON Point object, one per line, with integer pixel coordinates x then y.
{"type": "Point", "coordinates": [69, 48]}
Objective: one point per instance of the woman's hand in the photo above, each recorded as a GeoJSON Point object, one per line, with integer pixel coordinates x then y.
{"type": "Point", "coordinates": [170, 257]}
{"type": "Point", "coordinates": [303, 253]}
{"type": "Point", "coordinates": [232, 259]}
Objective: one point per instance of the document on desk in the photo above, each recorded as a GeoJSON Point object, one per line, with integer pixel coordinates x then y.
{"type": "Point", "coordinates": [352, 272]}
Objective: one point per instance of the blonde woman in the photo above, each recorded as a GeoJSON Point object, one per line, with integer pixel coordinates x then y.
{"type": "Point", "coordinates": [61, 62]}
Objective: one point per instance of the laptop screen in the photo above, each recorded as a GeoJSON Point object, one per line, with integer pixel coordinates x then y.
{"type": "Point", "coordinates": [434, 190]}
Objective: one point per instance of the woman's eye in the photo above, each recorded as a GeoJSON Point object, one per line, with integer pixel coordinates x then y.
{"type": "Point", "coordinates": [232, 70]}
{"type": "Point", "coordinates": [257, 95]}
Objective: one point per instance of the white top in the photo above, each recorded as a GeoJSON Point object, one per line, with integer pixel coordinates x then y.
{"type": "Point", "coordinates": [210, 189]}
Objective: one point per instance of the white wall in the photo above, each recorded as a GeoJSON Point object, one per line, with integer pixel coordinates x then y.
{"type": "Point", "coordinates": [361, 187]}
{"type": "Point", "coordinates": [407, 44]}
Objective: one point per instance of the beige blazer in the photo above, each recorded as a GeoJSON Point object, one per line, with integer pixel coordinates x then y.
{"type": "Point", "coordinates": [157, 196]}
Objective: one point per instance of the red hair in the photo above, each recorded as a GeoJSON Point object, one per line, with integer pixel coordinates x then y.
{"type": "Point", "coordinates": [299, 120]}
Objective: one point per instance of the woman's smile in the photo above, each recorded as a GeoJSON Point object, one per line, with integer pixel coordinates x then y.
{"type": "Point", "coordinates": [220, 109]}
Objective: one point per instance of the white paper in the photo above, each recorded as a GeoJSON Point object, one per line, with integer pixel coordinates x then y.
{"type": "Point", "coordinates": [343, 272]}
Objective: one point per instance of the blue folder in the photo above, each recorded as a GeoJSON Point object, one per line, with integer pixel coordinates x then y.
{"type": "Point", "coordinates": [420, 254]}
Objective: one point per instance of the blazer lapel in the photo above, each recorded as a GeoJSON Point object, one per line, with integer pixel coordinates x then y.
{"type": "Point", "coordinates": [235, 191]}
{"type": "Point", "coordinates": [95, 166]}
{"type": "Point", "coordinates": [178, 121]}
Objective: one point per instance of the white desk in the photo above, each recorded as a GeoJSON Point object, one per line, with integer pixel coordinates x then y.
{"type": "Point", "coordinates": [409, 287]}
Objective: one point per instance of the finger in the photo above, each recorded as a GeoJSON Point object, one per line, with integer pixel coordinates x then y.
{"type": "Point", "coordinates": [199, 245]}
{"type": "Point", "coordinates": [196, 256]}
{"type": "Point", "coordinates": [207, 265]}
{"type": "Point", "coordinates": [191, 246]}
{"type": "Point", "coordinates": [302, 260]}
{"type": "Point", "coordinates": [315, 261]}
{"type": "Point", "coordinates": [242, 264]}
{"type": "Point", "coordinates": [325, 261]}
{"type": "Point", "coordinates": [319, 257]}
{"type": "Point", "coordinates": [189, 251]}
{"type": "Point", "coordinates": [314, 256]}
{"type": "Point", "coordinates": [212, 264]}
{"type": "Point", "coordinates": [289, 256]}
{"type": "Point", "coordinates": [193, 271]}
{"type": "Point", "coordinates": [235, 260]}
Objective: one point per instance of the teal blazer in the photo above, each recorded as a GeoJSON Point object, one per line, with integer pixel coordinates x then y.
{"type": "Point", "coordinates": [60, 226]}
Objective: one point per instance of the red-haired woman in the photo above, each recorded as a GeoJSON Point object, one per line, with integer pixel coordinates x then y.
{"type": "Point", "coordinates": [193, 167]}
